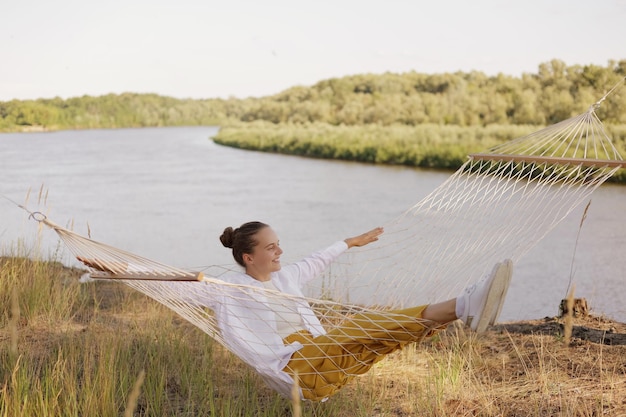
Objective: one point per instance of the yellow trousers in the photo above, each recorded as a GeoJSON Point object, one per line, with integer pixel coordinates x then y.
{"type": "Point", "coordinates": [328, 362]}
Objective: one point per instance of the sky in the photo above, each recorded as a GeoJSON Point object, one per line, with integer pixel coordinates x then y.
{"type": "Point", "coordinates": [239, 48]}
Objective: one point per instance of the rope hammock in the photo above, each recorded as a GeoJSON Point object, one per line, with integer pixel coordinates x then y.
{"type": "Point", "coordinates": [497, 206]}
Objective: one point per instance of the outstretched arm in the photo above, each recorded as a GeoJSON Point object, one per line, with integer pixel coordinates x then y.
{"type": "Point", "coordinates": [314, 264]}
{"type": "Point", "coordinates": [365, 238]}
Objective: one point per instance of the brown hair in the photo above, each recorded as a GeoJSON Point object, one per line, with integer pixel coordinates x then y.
{"type": "Point", "coordinates": [241, 240]}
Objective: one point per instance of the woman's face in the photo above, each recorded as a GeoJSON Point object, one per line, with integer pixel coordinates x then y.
{"type": "Point", "coordinates": [265, 258]}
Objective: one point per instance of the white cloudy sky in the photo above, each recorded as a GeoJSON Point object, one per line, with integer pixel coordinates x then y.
{"type": "Point", "coordinates": [241, 48]}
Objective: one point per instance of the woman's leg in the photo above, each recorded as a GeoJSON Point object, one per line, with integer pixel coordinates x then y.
{"type": "Point", "coordinates": [444, 312]}
{"type": "Point", "coordinates": [327, 362]}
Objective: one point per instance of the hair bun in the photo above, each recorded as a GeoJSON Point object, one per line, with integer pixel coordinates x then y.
{"type": "Point", "coordinates": [228, 237]}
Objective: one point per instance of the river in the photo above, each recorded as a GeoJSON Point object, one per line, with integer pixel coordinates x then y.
{"type": "Point", "coordinates": [167, 194]}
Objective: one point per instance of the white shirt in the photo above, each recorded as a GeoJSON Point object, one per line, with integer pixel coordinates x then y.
{"type": "Point", "coordinates": [246, 314]}
{"type": "Point", "coordinates": [288, 320]}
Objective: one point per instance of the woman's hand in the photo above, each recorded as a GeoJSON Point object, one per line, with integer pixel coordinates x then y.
{"type": "Point", "coordinates": [365, 238]}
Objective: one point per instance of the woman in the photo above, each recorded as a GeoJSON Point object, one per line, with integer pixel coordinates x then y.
{"type": "Point", "coordinates": [286, 341]}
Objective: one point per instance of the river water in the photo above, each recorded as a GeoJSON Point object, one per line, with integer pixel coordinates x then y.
{"type": "Point", "coordinates": [167, 194]}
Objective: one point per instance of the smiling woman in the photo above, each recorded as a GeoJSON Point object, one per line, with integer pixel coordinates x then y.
{"type": "Point", "coordinates": [288, 342]}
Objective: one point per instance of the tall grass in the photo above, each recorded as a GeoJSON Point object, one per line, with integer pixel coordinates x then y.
{"type": "Point", "coordinates": [101, 349]}
{"type": "Point", "coordinates": [75, 349]}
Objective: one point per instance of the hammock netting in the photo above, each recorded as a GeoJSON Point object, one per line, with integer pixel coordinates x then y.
{"type": "Point", "coordinates": [497, 206]}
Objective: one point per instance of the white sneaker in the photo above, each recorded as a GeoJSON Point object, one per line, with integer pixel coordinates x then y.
{"type": "Point", "coordinates": [483, 300]}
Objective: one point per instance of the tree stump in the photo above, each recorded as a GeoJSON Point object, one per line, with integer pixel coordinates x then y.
{"type": "Point", "coordinates": [580, 308]}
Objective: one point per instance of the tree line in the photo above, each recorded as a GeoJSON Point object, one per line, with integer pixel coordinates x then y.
{"type": "Point", "coordinates": [413, 119]}
{"type": "Point", "coordinates": [556, 92]}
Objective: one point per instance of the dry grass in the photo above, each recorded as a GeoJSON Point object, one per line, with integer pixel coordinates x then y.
{"type": "Point", "coordinates": [102, 349]}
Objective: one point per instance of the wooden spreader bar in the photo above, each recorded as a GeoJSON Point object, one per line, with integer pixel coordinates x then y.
{"type": "Point", "coordinates": [551, 160]}
{"type": "Point", "coordinates": [190, 276]}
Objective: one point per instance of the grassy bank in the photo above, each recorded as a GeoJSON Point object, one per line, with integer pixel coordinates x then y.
{"type": "Point", "coordinates": [425, 146]}
{"type": "Point", "coordinates": [101, 349]}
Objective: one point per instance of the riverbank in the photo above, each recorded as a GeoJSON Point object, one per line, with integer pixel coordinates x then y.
{"type": "Point", "coordinates": [431, 146]}
{"type": "Point", "coordinates": [79, 349]}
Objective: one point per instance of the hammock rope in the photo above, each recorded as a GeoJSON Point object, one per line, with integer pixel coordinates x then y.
{"type": "Point", "coordinates": [497, 206]}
